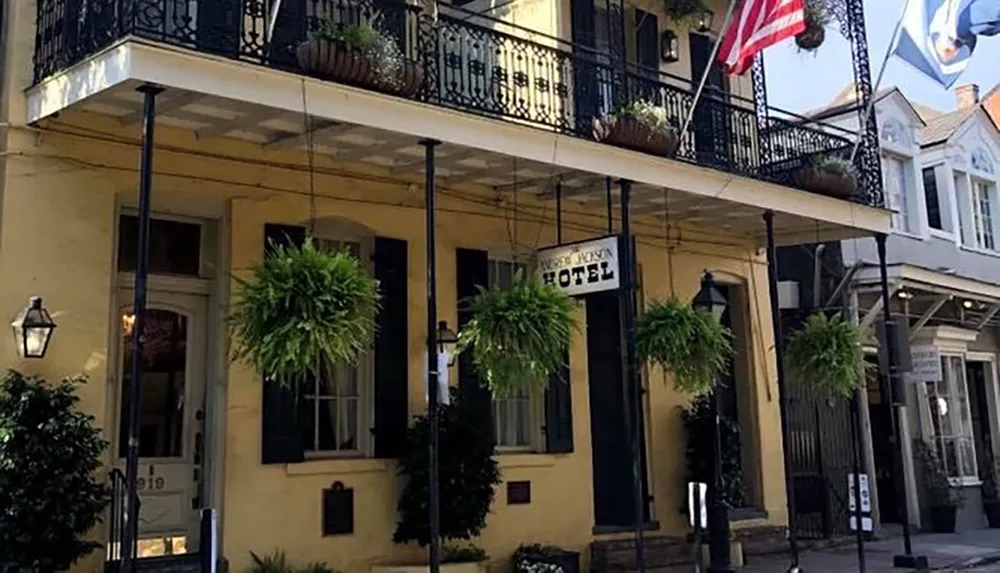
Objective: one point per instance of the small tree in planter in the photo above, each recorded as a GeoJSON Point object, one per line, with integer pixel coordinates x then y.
{"type": "Point", "coordinates": [50, 497]}
{"type": "Point", "coordinates": [361, 54]}
{"type": "Point", "coordinates": [468, 474]}
{"type": "Point", "coordinates": [827, 353]}
{"type": "Point", "coordinates": [519, 336]}
{"type": "Point", "coordinates": [829, 175]}
{"type": "Point", "coordinates": [991, 497]}
{"type": "Point", "coordinates": [688, 343]}
{"type": "Point", "coordinates": [302, 309]}
{"type": "Point", "coordinates": [940, 496]}
{"type": "Point", "coordinates": [638, 125]}
{"type": "Point", "coordinates": [817, 16]}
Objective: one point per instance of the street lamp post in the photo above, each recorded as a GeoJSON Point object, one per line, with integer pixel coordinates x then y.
{"type": "Point", "coordinates": [710, 300]}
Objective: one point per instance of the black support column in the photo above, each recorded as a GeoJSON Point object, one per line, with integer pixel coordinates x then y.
{"type": "Point", "coordinates": [432, 363]}
{"type": "Point", "coordinates": [897, 400]}
{"type": "Point", "coordinates": [631, 385]}
{"type": "Point", "coordinates": [783, 401]}
{"type": "Point", "coordinates": [130, 530]}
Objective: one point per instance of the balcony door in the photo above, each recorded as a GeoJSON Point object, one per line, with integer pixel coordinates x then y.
{"type": "Point", "coordinates": [598, 58]}
{"type": "Point", "coordinates": [711, 124]}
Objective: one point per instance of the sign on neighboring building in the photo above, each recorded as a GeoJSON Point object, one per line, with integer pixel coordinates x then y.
{"type": "Point", "coordinates": [581, 268]}
{"type": "Point", "coordinates": [925, 363]}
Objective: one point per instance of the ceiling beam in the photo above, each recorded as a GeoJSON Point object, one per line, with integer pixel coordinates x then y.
{"type": "Point", "coordinates": [295, 140]}
{"type": "Point", "coordinates": [990, 313]}
{"type": "Point", "coordinates": [453, 157]}
{"type": "Point", "coordinates": [537, 182]}
{"type": "Point", "coordinates": [249, 119]}
{"type": "Point", "coordinates": [928, 315]}
{"type": "Point", "coordinates": [876, 308]}
{"type": "Point", "coordinates": [163, 107]}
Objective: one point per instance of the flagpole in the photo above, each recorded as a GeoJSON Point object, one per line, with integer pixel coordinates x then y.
{"type": "Point", "coordinates": [878, 81]}
{"type": "Point", "coordinates": [708, 68]}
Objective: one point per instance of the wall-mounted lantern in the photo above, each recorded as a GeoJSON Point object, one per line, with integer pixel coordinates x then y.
{"type": "Point", "coordinates": [447, 341]}
{"type": "Point", "coordinates": [32, 329]}
{"type": "Point", "coordinates": [670, 47]}
{"type": "Point", "coordinates": [704, 22]}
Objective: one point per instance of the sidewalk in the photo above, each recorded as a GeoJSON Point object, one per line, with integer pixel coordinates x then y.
{"type": "Point", "coordinates": [968, 551]}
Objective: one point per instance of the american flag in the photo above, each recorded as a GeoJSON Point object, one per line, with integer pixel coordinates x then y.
{"type": "Point", "coordinates": [757, 25]}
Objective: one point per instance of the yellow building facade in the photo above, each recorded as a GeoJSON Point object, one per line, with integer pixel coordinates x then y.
{"type": "Point", "coordinates": [240, 147]}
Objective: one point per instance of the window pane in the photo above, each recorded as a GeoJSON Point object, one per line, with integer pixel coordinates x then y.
{"type": "Point", "coordinates": [349, 425]}
{"type": "Point", "coordinates": [174, 246]}
{"type": "Point", "coordinates": [931, 195]}
{"type": "Point", "coordinates": [968, 458]}
{"type": "Point", "coordinates": [307, 423]}
{"type": "Point", "coordinates": [950, 457]}
{"type": "Point", "coordinates": [327, 440]}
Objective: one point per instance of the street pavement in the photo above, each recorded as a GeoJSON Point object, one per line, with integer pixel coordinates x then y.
{"type": "Point", "coordinates": [967, 552]}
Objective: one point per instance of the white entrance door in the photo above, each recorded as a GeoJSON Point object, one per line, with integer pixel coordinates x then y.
{"type": "Point", "coordinates": [171, 423]}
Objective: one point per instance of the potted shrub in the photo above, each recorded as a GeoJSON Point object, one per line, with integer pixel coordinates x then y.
{"type": "Point", "coordinates": [638, 125]}
{"type": "Point", "coordinates": [518, 336]}
{"type": "Point", "coordinates": [684, 10]}
{"type": "Point", "coordinates": [538, 558]}
{"type": "Point", "coordinates": [301, 309]}
{"type": "Point", "coordinates": [817, 16]}
{"type": "Point", "coordinates": [688, 343]}
{"type": "Point", "coordinates": [940, 496]}
{"type": "Point", "coordinates": [51, 496]}
{"type": "Point", "coordinates": [468, 476]}
{"type": "Point", "coordinates": [359, 54]}
{"type": "Point", "coordinates": [991, 497]}
{"type": "Point", "coordinates": [829, 175]}
{"type": "Point", "coordinates": [827, 354]}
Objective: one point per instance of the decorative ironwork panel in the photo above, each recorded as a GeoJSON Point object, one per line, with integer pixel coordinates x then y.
{"type": "Point", "coordinates": [867, 160]}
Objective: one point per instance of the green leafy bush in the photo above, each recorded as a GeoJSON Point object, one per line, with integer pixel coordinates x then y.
{"type": "Point", "coordinates": [277, 562]}
{"type": "Point", "coordinates": [827, 353]}
{"type": "Point", "coordinates": [301, 309]}
{"type": "Point", "coordinates": [938, 491]}
{"type": "Point", "coordinates": [50, 497]}
{"type": "Point", "coordinates": [699, 428]}
{"type": "Point", "coordinates": [686, 342]}
{"type": "Point", "coordinates": [646, 112]}
{"type": "Point", "coordinates": [467, 554]}
{"type": "Point", "coordinates": [519, 336]}
{"type": "Point", "coordinates": [468, 475]}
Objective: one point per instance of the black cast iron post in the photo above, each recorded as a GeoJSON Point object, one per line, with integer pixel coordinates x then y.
{"type": "Point", "coordinates": [783, 397]}
{"type": "Point", "coordinates": [631, 385]}
{"type": "Point", "coordinates": [718, 512]}
{"type": "Point", "coordinates": [434, 515]}
{"type": "Point", "coordinates": [130, 531]}
{"type": "Point", "coordinates": [858, 517]}
{"type": "Point", "coordinates": [897, 400]}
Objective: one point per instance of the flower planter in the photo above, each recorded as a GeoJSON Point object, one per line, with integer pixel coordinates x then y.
{"type": "Point", "coordinates": [330, 60]}
{"type": "Point", "coordinates": [826, 182]}
{"type": "Point", "coordinates": [942, 518]}
{"type": "Point", "coordinates": [566, 561]}
{"type": "Point", "coordinates": [992, 510]}
{"type": "Point", "coordinates": [411, 79]}
{"type": "Point", "coordinates": [630, 133]}
{"type": "Point", "coordinates": [811, 38]}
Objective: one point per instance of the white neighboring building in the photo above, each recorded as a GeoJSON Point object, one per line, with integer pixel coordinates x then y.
{"type": "Point", "coordinates": [941, 172]}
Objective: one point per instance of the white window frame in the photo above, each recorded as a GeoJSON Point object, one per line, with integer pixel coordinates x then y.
{"type": "Point", "coordinates": [906, 220]}
{"type": "Point", "coordinates": [955, 388]}
{"type": "Point", "coordinates": [536, 400]}
{"type": "Point", "coordinates": [349, 232]}
{"type": "Point", "coordinates": [984, 224]}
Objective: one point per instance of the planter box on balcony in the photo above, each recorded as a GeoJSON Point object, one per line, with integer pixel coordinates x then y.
{"type": "Point", "coordinates": [337, 62]}
{"type": "Point", "coordinates": [630, 133]}
{"type": "Point", "coordinates": [826, 183]}
{"type": "Point", "coordinates": [479, 567]}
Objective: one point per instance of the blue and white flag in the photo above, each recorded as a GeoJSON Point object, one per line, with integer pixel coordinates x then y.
{"type": "Point", "coordinates": [939, 36]}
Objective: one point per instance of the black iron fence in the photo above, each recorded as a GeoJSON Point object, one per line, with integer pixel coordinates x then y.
{"type": "Point", "coordinates": [466, 61]}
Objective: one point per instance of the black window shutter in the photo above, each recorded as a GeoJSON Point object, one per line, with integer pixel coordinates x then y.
{"type": "Point", "coordinates": [391, 351]}
{"type": "Point", "coordinates": [472, 271]}
{"type": "Point", "coordinates": [647, 40]}
{"type": "Point", "coordinates": [559, 413]}
{"type": "Point", "coordinates": [281, 436]}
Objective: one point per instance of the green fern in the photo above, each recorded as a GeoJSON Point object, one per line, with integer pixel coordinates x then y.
{"type": "Point", "coordinates": [303, 308]}
{"type": "Point", "coordinates": [519, 336]}
{"type": "Point", "coordinates": [689, 343]}
{"type": "Point", "coordinates": [827, 353]}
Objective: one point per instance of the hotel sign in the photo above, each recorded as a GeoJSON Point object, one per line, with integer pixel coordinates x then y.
{"type": "Point", "coordinates": [581, 268]}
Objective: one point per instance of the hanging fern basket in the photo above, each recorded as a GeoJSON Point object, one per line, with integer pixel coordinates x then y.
{"type": "Point", "coordinates": [688, 343]}
{"type": "Point", "coordinates": [811, 38]}
{"type": "Point", "coordinates": [303, 308]}
{"type": "Point", "coordinates": [684, 10]}
{"type": "Point", "coordinates": [827, 354]}
{"type": "Point", "coordinates": [519, 337]}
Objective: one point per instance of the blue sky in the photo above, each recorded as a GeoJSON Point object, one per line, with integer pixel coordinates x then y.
{"type": "Point", "coordinates": [798, 82]}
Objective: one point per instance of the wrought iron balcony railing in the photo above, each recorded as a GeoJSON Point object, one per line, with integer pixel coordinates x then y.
{"type": "Point", "coordinates": [456, 59]}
